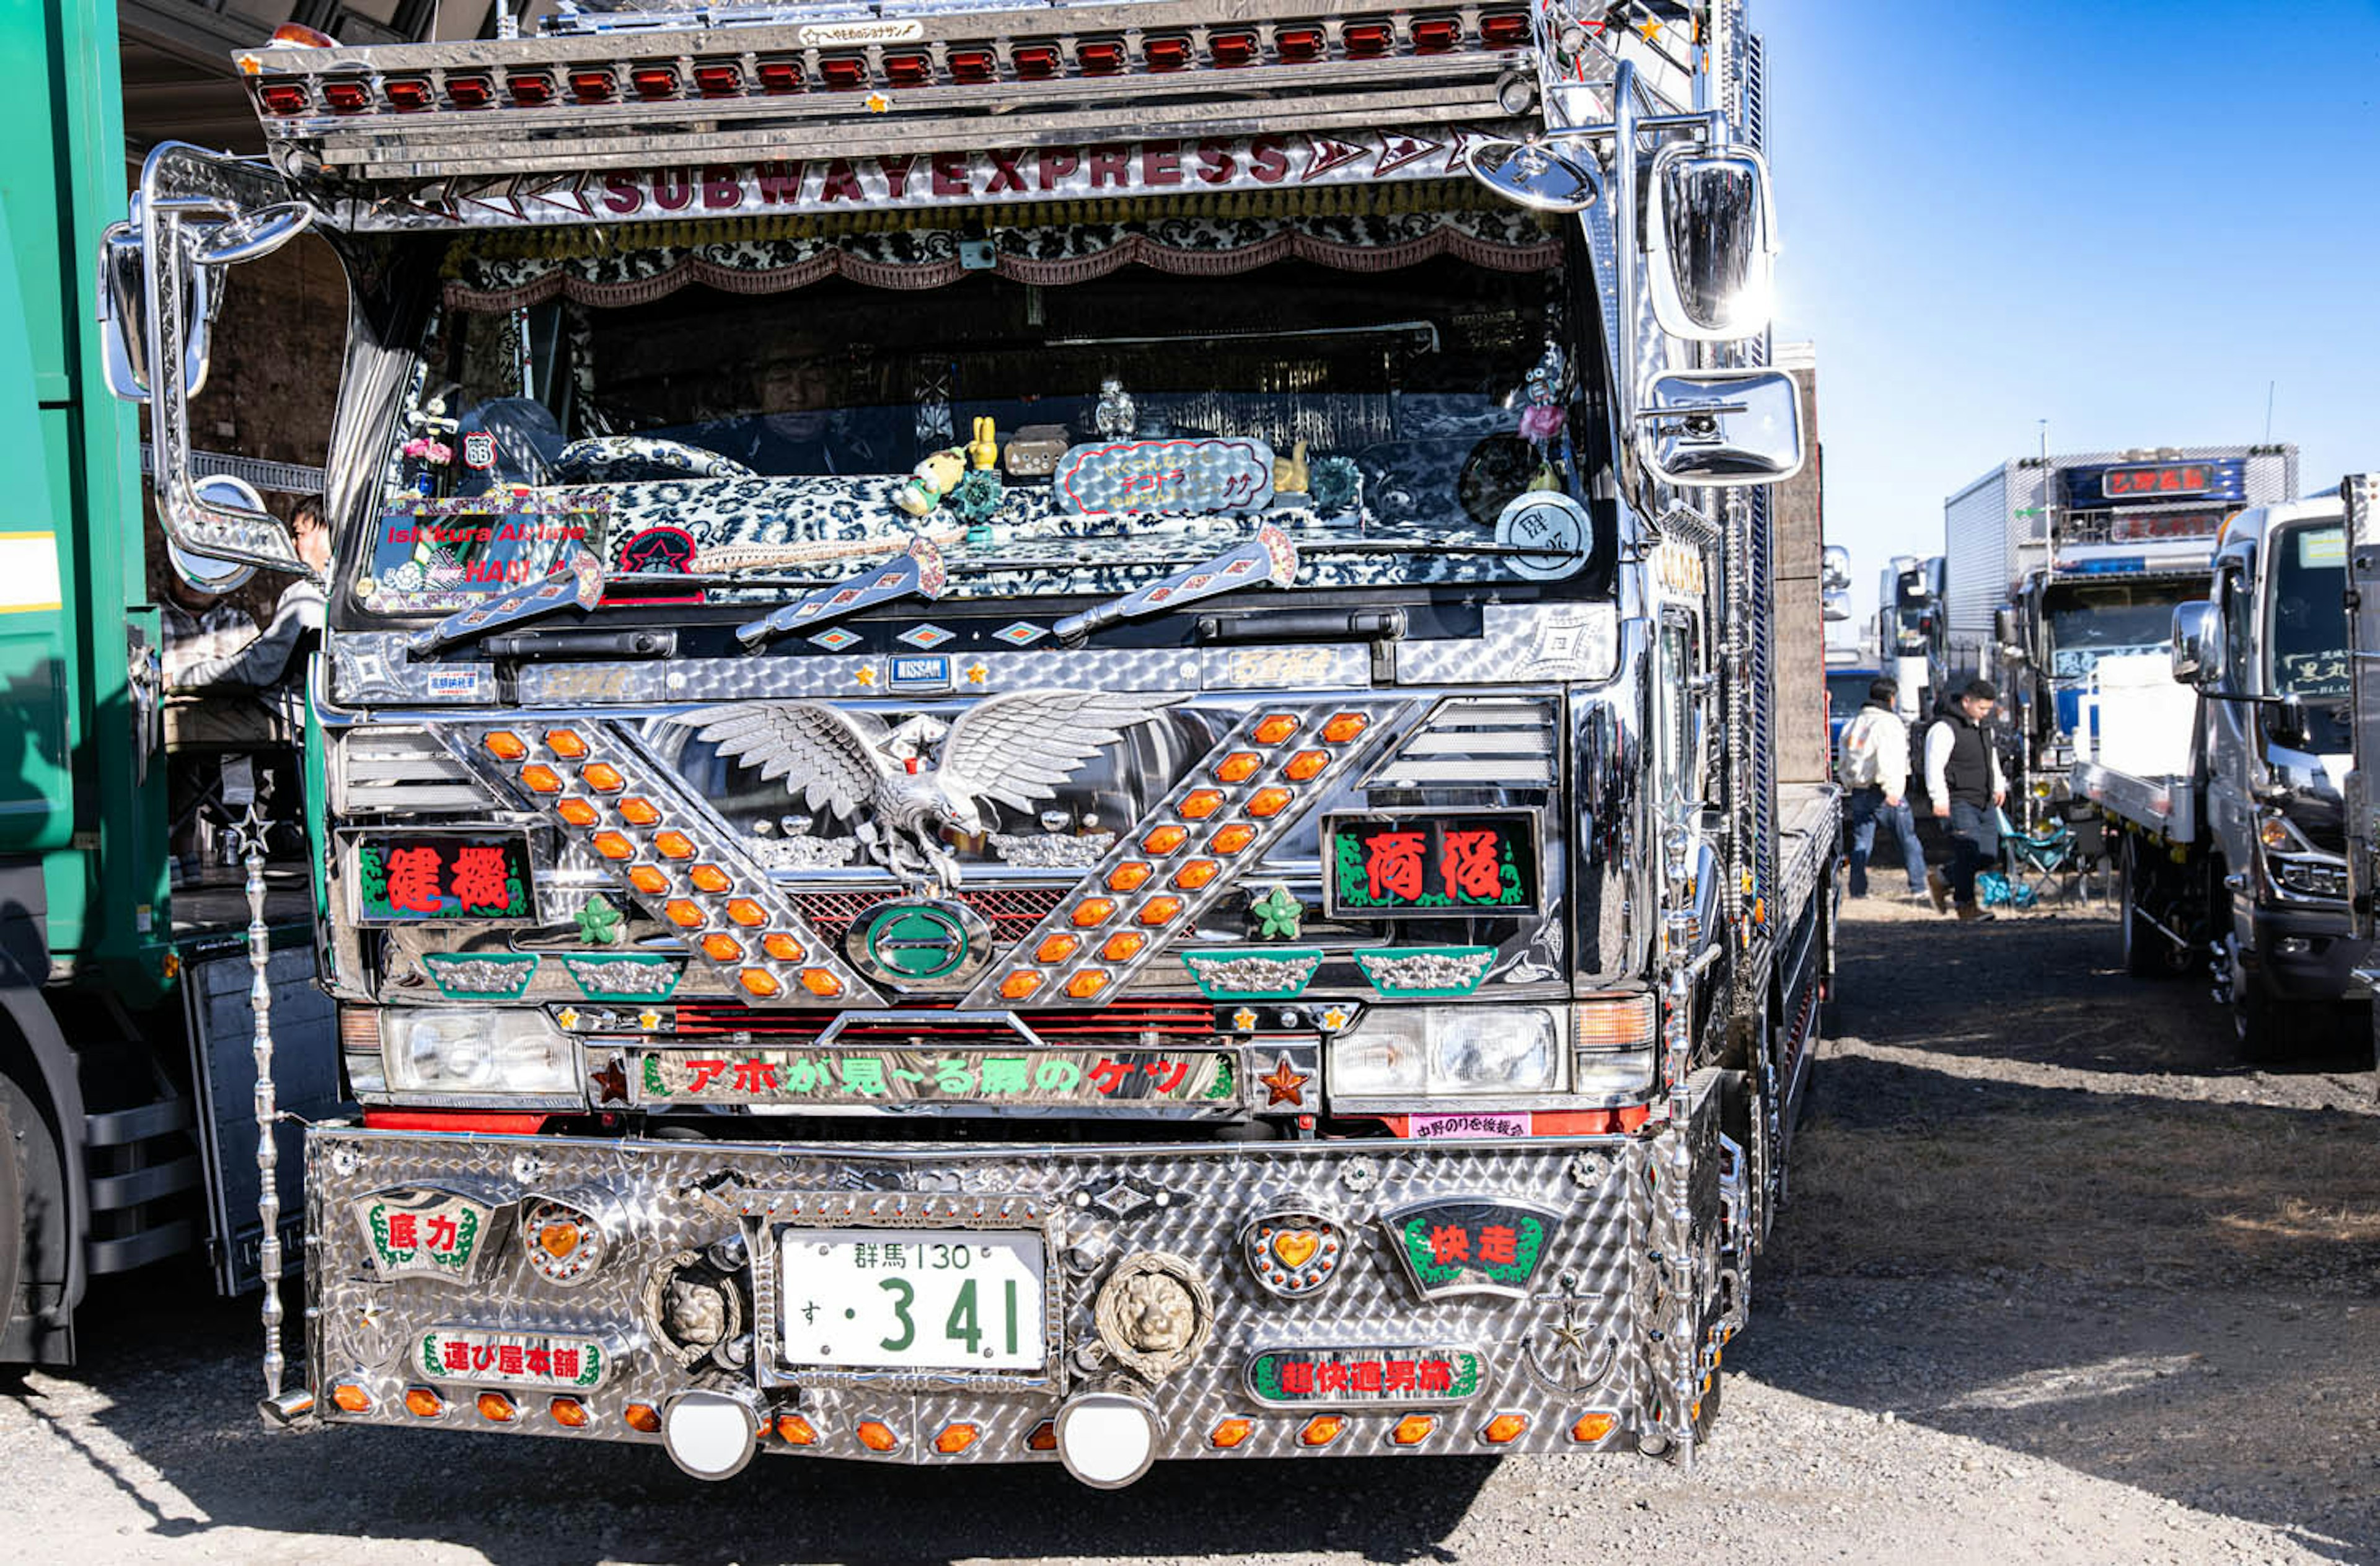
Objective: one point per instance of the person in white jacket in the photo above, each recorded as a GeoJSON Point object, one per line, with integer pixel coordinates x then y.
{"type": "Point", "coordinates": [1873, 765]}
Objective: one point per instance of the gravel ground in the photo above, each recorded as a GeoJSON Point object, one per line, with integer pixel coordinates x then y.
{"type": "Point", "coordinates": [2060, 1281]}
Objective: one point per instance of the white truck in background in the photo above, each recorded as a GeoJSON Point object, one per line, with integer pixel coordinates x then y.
{"type": "Point", "coordinates": [1908, 630]}
{"type": "Point", "coordinates": [2054, 564]}
{"type": "Point", "coordinates": [2227, 789]}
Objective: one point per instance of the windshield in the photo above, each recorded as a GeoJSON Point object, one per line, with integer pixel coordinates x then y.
{"type": "Point", "coordinates": [2309, 630]}
{"type": "Point", "coordinates": [1099, 433]}
{"type": "Point", "coordinates": [2089, 624]}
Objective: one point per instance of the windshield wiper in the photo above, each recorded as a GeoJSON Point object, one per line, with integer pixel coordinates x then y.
{"type": "Point", "coordinates": [914, 573]}
{"type": "Point", "coordinates": [578, 586]}
{"type": "Point", "coordinates": [1269, 557]}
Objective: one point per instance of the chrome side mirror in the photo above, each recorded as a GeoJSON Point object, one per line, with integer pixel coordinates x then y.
{"type": "Point", "coordinates": [2197, 643]}
{"type": "Point", "coordinates": [1835, 603]}
{"type": "Point", "coordinates": [123, 312]}
{"type": "Point", "coordinates": [1711, 242]}
{"type": "Point", "coordinates": [1721, 428]}
{"type": "Point", "coordinates": [1834, 568]}
{"type": "Point", "coordinates": [252, 235]}
{"type": "Point", "coordinates": [205, 572]}
{"type": "Point", "coordinates": [1532, 174]}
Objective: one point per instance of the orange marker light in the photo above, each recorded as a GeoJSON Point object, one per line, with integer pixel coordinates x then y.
{"type": "Point", "coordinates": [708, 878]}
{"type": "Point", "coordinates": [1231, 1433]}
{"type": "Point", "coordinates": [566, 744]}
{"type": "Point", "coordinates": [639, 811]}
{"type": "Point", "coordinates": [1088, 983]}
{"type": "Point", "coordinates": [1056, 948]}
{"type": "Point", "coordinates": [497, 1409]}
{"type": "Point", "coordinates": [612, 845]}
{"type": "Point", "coordinates": [1043, 1437]}
{"type": "Point", "coordinates": [1201, 803]}
{"type": "Point", "coordinates": [540, 778]}
{"type": "Point", "coordinates": [1122, 947]}
{"type": "Point", "coordinates": [1239, 766]}
{"type": "Point", "coordinates": [648, 880]}
{"type": "Point", "coordinates": [602, 777]}
{"type": "Point", "coordinates": [1322, 1429]}
{"type": "Point", "coordinates": [1128, 876]}
{"type": "Point", "coordinates": [877, 1436]}
{"type": "Point", "coordinates": [1164, 840]}
{"type": "Point", "coordinates": [504, 745]}
{"type": "Point", "coordinates": [1413, 1429]}
{"type": "Point", "coordinates": [674, 845]}
{"type": "Point", "coordinates": [721, 947]}
{"type": "Point", "coordinates": [568, 1412]}
{"type": "Point", "coordinates": [642, 1416]}
{"type": "Point", "coordinates": [352, 1398]}
{"type": "Point", "coordinates": [778, 944]}
{"type": "Point", "coordinates": [954, 1438]}
{"type": "Point", "coordinates": [1019, 985]}
{"type": "Point", "coordinates": [1503, 1427]}
{"type": "Point", "coordinates": [1276, 727]}
{"type": "Point", "coordinates": [683, 914]}
{"type": "Point", "coordinates": [1346, 726]}
{"type": "Point", "coordinates": [1233, 838]}
{"type": "Point", "coordinates": [1306, 765]}
{"type": "Point", "coordinates": [424, 1403]}
{"type": "Point", "coordinates": [1268, 802]}
{"type": "Point", "coordinates": [1593, 1427]}
{"type": "Point", "coordinates": [1195, 874]}
{"type": "Point", "coordinates": [1093, 911]}
{"type": "Point", "coordinates": [822, 983]}
{"type": "Point", "coordinates": [577, 812]}
{"type": "Point", "coordinates": [750, 915]}
{"type": "Point", "coordinates": [794, 1431]}
{"type": "Point", "coordinates": [1160, 910]}
{"type": "Point", "coordinates": [760, 982]}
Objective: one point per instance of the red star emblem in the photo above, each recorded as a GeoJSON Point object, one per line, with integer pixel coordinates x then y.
{"type": "Point", "coordinates": [1285, 1086]}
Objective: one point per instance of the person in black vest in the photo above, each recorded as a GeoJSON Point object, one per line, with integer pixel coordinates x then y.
{"type": "Point", "coordinates": [1962, 775]}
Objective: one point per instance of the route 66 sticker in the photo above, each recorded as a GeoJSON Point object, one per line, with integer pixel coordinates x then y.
{"type": "Point", "coordinates": [478, 449]}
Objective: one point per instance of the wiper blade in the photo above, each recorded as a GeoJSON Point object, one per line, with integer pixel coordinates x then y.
{"type": "Point", "coordinates": [916, 573]}
{"type": "Point", "coordinates": [1269, 557]}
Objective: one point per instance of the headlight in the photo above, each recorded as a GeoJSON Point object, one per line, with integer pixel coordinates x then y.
{"type": "Point", "coordinates": [478, 1051]}
{"type": "Point", "coordinates": [1402, 1052]}
{"type": "Point", "coordinates": [2314, 877]}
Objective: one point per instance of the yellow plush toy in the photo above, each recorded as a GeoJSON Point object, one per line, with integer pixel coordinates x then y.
{"type": "Point", "coordinates": [929, 482]}
{"type": "Point", "coordinates": [984, 450]}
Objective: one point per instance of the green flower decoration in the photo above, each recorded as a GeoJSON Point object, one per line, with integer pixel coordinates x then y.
{"type": "Point", "coordinates": [1277, 915]}
{"type": "Point", "coordinates": [598, 921]}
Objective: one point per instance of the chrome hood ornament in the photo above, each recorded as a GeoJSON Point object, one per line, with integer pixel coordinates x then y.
{"type": "Point", "coordinates": [900, 786]}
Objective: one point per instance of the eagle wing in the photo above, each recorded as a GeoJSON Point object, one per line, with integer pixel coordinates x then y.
{"type": "Point", "coordinates": [1017, 747]}
{"type": "Point", "coordinates": [823, 755]}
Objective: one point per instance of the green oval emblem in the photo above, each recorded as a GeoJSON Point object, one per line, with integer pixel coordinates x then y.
{"type": "Point", "coordinates": [912, 941]}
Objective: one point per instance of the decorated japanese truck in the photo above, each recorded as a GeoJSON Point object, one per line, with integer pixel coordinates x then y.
{"type": "Point", "coordinates": [1047, 734]}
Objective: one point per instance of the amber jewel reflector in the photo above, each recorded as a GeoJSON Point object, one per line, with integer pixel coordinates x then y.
{"type": "Point", "coordinates": [577, 812]}
{"type": "Point", "coordinates": [721, 947]}
{"type": "Point", "coordinates": [1268, 802]}
{"type": "Point", "coordinates": [1306, 765]}
{"type": "Point", "coordinates": [674, 845]}
{"type": "Point", "coordinates": [1345, 727]}
{"type": "Point", "coordinates": [639, 811]}
{"type": "Point", "coordinates": [780, 945]}
{"type": "Point", "coordinates": [1593, 1427]}
{"type": "Point", "coordinates": [1238, 767]}
{"type": "Point", "coordinates": [1413, 1429]}
{"type": "Point", "coordinates": [877, 1436]}
{"type": "Point", "coordinates": [1194, 874]}
{"type": "Point", "coordinates": [569, 1412]}
{"type": "Point", "coordinates": [757, 981]}
{"type": "Point", "coordinates": [1055, 948]}
{"type": "Point", "coordinates": [954, 1438]}
{"type": "Point", "coordinates": [504, 745]}
{"type": "Point", "coordinates": [1322, 1429]}
{"type": "Point", "coordinates": [1044, 1437]}
{"type": "Point", "coordinates": [1231, 1433]}
{"type": "Point", "coordinates": [1160, 910]}
{"type": "Point", "coordinates": [647, 878]}
{"type": "Point", "coordinates": [1201, 803]}
{"type": "Point", "coordinates": [602, 777]}
{"type": "Point", "coordinates": [1276, 728]}
{"type": "Point", "coordinates": [1093, 910]}
{"type": "Point", "coordinates": [541, 779]}
{"type": "Point", "coordinates": [612, 845]}
{"type": "Point", "coordinates": [497, 1408]}
{"type": "Point", "coordinates": [744, 912]}
{"type": "Point", "coordinates": [683, 914]}
{"type": "Point", "coordinates": [1122, 947]}
{"type": "Point", "coordinates": [1233, 838]}
{"type": "Point", "coordinates": [352, 1398]}
{"type": "Point", "coordinates": [794, 1431]}
{"type": "Point", "coordinates": [1088, 983]}
{"type": "Point", "coordinates": [1020, 984]}
{"type": "Point", "coordinates": [1164, 840]}
{"type": "Point", "coordinates": [424, 1403]}
{"type": "Point", "coordinates": [1503, 1427]}
{"type": "Point", "coordinates": [565, 743]}
{"type": "Point", "coordinates": [821, 983]}
{"type": "Point", "coordinates": [1126, 877]}
{"type": "Point", "coordinates": [708, 878]}
{"type": "Point", "coordinates": [642, 1416]}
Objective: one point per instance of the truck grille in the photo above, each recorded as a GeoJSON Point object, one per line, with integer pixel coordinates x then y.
{"type": "Point", "coordinates": [1012, 910]}
{"type": "Point", "coordinates": [400, 770]}
{"type": "Point", "coordinates": [1170, 1019]}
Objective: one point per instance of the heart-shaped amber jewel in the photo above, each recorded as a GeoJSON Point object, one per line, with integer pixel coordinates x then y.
{"type": "Point", "coordinates": [1295, 1247]}
{"type": "Point", "coordinates": [559, 1239]}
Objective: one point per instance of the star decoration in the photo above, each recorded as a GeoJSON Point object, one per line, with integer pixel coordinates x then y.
{"type": "Point", "coordinates": [610, 1084]}
{"type": "Point", "coordinates": [598, 921]}
{"type": "Point", "coordinates": [1283, 1086]}
{"type": "Point", "coordinates": [864, 674]}
{"type": "Point", "coordinates": [877, 102]}
{"type": "Point", "coordinates": [649, 1021]}
{"type": "Point", "coordinates": [1277, 915]}
{"type": "Point", "coordinates": [1244, 1019]}
{"type": "Point", "coordinates": [976, 674]}
{"type": "Point", "coordinates": [1336, 1018]}
{"type": "Point", "coordinates": [567, 1016]}
{"type": "Point", "coordinates": [247, 833]}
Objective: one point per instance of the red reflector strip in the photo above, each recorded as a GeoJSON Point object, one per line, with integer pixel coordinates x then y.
{"type": "Point", "coordinates": [484, 1122]}
{"type": "Point", "coordinates": [1551, 1122]}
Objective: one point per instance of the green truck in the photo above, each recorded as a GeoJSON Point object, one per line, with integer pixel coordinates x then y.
{"type": "Point", "coordinates": [127, 1131]}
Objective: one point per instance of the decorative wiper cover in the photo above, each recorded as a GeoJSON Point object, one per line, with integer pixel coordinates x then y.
{"type": "Point", "coordinates": [916, 573]}
{"type": "Point", "coordinates": [1269, 557]}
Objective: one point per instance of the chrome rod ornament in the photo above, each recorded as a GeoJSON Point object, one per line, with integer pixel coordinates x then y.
{"type": "Point", "coordinates": [252, 829]}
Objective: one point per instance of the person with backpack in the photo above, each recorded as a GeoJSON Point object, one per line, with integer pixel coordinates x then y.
{"type": "Point", "coordinates": [1873, 765]}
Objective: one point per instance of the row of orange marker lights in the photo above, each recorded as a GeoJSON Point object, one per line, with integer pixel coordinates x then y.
{"type": "Point", "coordinates": [721, 946]}
{"type": "Point", "coordinates": [1164, 841]}
{"type": "Point", "coordinates": [794, 1429]}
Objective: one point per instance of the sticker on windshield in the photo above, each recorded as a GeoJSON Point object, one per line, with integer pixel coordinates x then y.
{"type": "Point", "coordinates": [1552, 527]}
{"type": "Point", "coordinates": [2324, 546]}
{"type": "Point", "coordinates": [449, 554]}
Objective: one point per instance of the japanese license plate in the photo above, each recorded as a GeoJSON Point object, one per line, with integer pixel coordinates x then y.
{"type": "Point", "coordinates": [908, 1299]}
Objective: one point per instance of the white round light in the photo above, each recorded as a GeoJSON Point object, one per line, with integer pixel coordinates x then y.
{"type": "Point", "coordinates": [1106, 1440]}
{"type": "Point", "coordinates": [709, 1434]}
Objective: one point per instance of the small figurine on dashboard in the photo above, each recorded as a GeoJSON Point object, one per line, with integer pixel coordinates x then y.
{"type": "Point", "coordinates": [930, 480]}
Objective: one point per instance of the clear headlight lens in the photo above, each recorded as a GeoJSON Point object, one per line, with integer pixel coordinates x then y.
{"type": "Point", "coordinates": [477, 1050]}
{"type": "Point", "coordinates": [1409, 1050]}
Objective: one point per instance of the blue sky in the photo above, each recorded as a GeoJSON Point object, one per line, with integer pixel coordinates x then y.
{"type": "Point", "coordinates": [2124, 218]}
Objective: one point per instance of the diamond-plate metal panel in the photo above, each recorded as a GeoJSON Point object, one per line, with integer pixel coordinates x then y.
{"type": "Point", "coordinates": [1577, 1343]}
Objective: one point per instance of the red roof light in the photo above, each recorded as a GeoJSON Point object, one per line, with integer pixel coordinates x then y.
{"type": "Point", "coordinates": [843, 72]}
{"type": "Point", "coordinates": [1035, 62]}
{"type": "Point", "coordinates": [780, 76]}
{"type": "Point", "coordinates": [347, 97]}
{"type": "Point", "coordinates": [471, 92]}
{"type": "Point", "coordinates": [593, 86]}
{"type": "Point", "coordinates": [283, 97]}
{"type": "Point", "coordinates": [654, 82]}
{"type": "Point", "coordinates": [721, 80]}
{"type": "Point", "coordinates": [1436, 35]}
{"type": "Point", "coordinates": [1363, 40]}
{"type": "Point", "coordinates": [1504, 29]}
{"type": "Point", "coordinates": [530, 87]}
{"type": "Point", "coordinates": [406, 92]}
{"type": "Point", "coordinates": [972, 64]}
{"type": "Point", "coordinates": [1103, 58]}
{"type": "Point", "coordinates": [1297, 45]}
{"type": "Point", "coordinates": [1166, 54]}
{"type": "Point", "coordinates": [1232, 48]}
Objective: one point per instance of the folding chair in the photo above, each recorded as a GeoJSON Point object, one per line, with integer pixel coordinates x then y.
{"type": "Point", "coordinates": [2034, 861]}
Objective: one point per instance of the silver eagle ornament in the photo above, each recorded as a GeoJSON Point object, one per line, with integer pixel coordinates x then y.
{"type": "Point", "coordinates": [902, 787]}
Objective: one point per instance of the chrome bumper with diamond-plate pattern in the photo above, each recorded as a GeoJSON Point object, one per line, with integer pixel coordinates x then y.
{"type": "Point", "coordinates": [1608, 1340]}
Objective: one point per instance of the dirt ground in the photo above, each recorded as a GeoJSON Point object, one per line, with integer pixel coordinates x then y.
{"type": "Point", "coordinates": [2060, 1281]}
